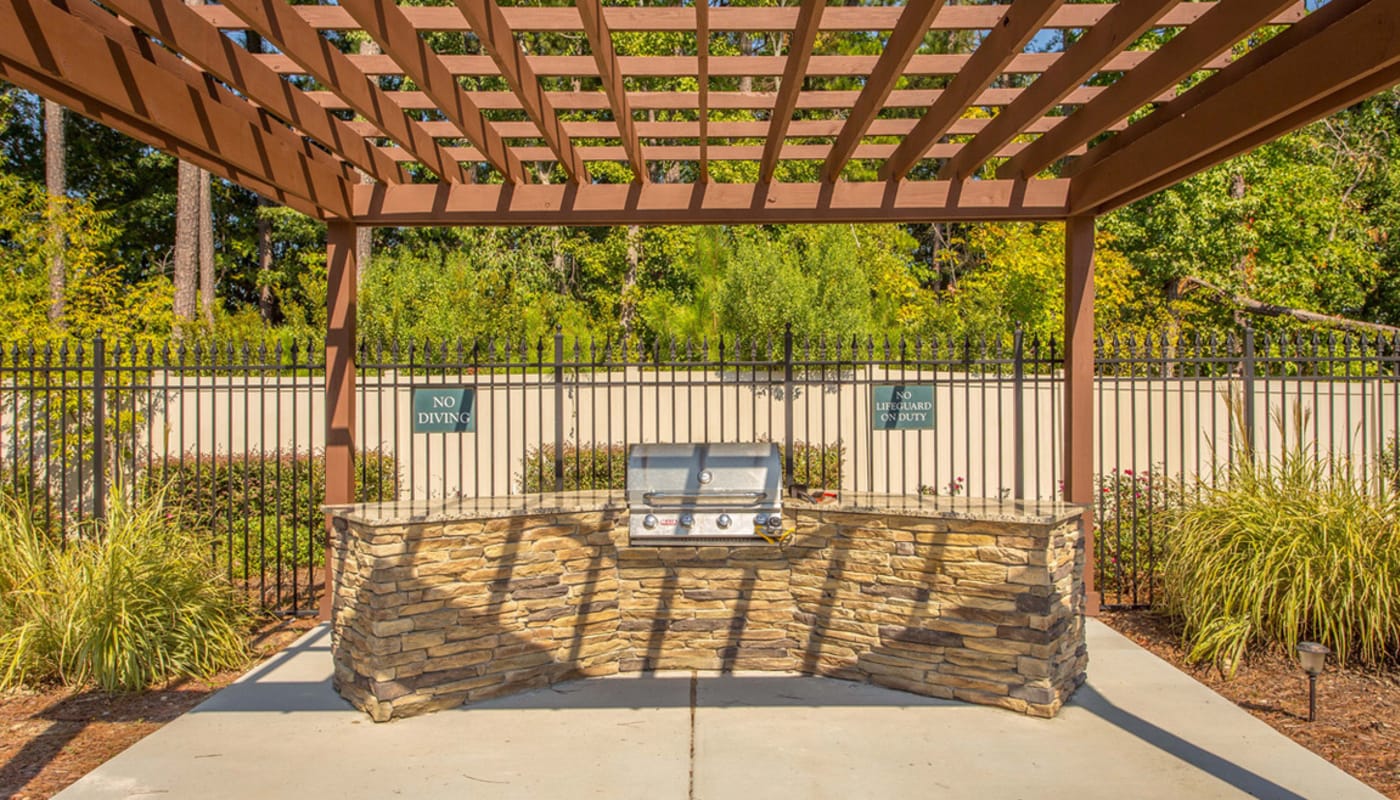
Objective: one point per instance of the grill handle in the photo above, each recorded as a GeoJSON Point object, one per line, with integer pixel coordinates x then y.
{"type": "Point", "coordinates": [701, 498]}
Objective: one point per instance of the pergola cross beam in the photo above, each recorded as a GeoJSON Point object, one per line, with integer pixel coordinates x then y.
{"type": "Point", "coordinates": [491, 28]}
{"type": "Point", "coordinates": [600, 42]}
{"type": "Point", "coordinates": [1119, 28]}
{"type": "Point", "coordinates": [904, 40]}
{"type": "Point", "coordinates": [275, 21]}
{"type": "Point", "coordinates": [804, 36]}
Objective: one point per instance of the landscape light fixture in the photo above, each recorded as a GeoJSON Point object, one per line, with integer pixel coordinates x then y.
{"type": "Point", "coordinates": [1313, 657]}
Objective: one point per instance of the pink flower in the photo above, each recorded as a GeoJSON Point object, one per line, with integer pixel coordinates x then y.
{"type": "Point", "coordinates": [1127, 472]}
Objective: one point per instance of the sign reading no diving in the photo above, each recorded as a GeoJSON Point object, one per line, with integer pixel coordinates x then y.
{"type": "Point", "coordinates": [444, 410]}
{"type": "Point", "coordinates": [899, 407]}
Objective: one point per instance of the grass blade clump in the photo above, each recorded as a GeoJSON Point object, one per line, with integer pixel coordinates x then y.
{"type": "Point", "coordinates": [1283, 552]}
{"type": "Point", "coordinates": [133, 604]}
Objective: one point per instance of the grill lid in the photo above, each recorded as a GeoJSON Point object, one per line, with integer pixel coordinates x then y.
{"type": "Point", "coordinates": [733, 474]}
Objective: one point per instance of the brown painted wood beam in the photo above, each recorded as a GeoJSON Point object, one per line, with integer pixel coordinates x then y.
{"type": "Point", "coordinates": [906, 37]}
{"type": "Point", "coordinates": [341, 320]}
{"type": "Point", "coordinates": [1079, 388]}
{"type": "Point", "coordinates": [799, 55]}
{"type": "Point", "coordinates": [490, 26]}
{"type": "Point", "coordinates": [153, 85]}
{"type": "Point", "coordinates": [1008, 38]}
{"type": "Point", "coordinates": [702, 83]}
{"type": "Point", "coordinates": [1218, 30]}
{"type": "Point", "coordinates": [678, 19]}
{"type": "Point", "coordinates": [275, 21]}
{"type": "Point", "coordinates": [600, 41]}
{"type": "Point", "coordinates": [691, 152]}
{"type": "Point", "coordinates": [181, 29]}
{"type": "Point", "coordinates": [1335, 61]}
{"type": "Point", "coordinates": [1096, 49]}
{"type": "Point", "coordinates": [729, 101]}
{"type": "Point", "coordinates": [1312, 112]}
{"type": "Point", "coordinates": [708, 203]}
{"type": "Point", "coordinates": [142, 131]}
{"type": "Point", "coordinates": [385, 23]}
{"type": "Point", "coordinates": [820, 66]}
{"type": "Point", "coordinates": [722, 129]}
{"type": "Point", "coordinates": [1225, 79]}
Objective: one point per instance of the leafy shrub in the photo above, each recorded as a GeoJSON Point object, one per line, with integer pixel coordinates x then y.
{"type": "Point", "coordinates": [1282, 552]}
{"type": "Point", "coordinates": [1135, 513]}
{"type": "Point", "coordinates": [266, 509]}
{"type": "Point", "coordinates": [121, 607]}
{"type": "Point", "coordinates": [602, 466]}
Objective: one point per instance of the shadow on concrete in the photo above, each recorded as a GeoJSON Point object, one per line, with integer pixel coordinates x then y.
{"type": "Point", "coordinates": [1091, 700]}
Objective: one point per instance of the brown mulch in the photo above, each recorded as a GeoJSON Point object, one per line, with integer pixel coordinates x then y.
{"type": "Point", "coordinates": [1358, 710]}
{"type": "Point", "coordinates": [51, 738]}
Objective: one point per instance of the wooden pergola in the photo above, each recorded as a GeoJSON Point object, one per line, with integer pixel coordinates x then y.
{"type": "Point", "coordinates": [314, 128]}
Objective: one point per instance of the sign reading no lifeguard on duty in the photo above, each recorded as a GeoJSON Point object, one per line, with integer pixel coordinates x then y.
{"type": "Point", "coordinates": [444, 409]}
{"type": "Point", "coordinates": [901, 407]}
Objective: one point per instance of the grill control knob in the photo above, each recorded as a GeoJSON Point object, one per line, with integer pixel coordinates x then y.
{"type": "Point", "coordinates": [687, 520]}
{"type": "Point", "coordinates": [649, 521]}
{"type": "Point", "coordinates": [775, 522]}
{"type": "Point", "coordinates": [760, 518]}
{"type": "Point", "coordinates": [724, 521]}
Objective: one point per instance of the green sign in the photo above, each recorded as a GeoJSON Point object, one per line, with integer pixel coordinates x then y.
{"type": "Point", "coordinates": [448, 409]}
{"type": "Point", "coordinates": [899, 407]}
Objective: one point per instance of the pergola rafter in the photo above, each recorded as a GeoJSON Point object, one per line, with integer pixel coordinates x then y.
{"type": "Point", "coordinates": [279, 24]}
{"type": "Point", "coordinates": [600, 42]}
{"type": "Point", "coordinates": [1097, 48]}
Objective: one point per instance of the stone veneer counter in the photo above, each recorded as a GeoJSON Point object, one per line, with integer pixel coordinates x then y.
{"type": "Point", "coordinates": [437, 604]}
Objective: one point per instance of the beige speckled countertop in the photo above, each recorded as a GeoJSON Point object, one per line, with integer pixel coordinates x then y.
{"type": "Point", "coordinates": [407, 512]}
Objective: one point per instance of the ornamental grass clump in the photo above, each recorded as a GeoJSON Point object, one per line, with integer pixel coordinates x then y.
{"type": "Point", "coordinates": [1283, 552]}
{"type": "Point", "coordinates": [122, 608]}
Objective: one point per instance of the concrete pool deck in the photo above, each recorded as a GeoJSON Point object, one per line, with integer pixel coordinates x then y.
{"type": "Point", "coordinates": [1139, 728]}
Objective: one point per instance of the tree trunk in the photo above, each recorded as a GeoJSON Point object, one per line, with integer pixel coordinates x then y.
{"type": "Point", "coordinates": [1243, 304]}
{"type": "Point", "coordinates": [267, 303]}
{"type": "Point", "coordinates": [56, 179]}
{"type": "Point", "coordinates": [206, 249]}
{"type": "Point", "coordinates": [364, 239]}
{"type": "Point", "coordinates": [745, 49]}
{"type": "Point", "coordinates": [627, 315]}
{"type": "Point", "coordinates": [186, 243]}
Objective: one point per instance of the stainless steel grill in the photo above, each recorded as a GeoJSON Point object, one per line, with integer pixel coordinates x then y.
{"type": "Point", "coordinates": [690, 493]}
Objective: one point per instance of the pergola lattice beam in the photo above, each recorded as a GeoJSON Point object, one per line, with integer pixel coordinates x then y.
{"type": "Point", "coordinates": [496, 36]}
{"type": "Point", "coordinates": [702, 83]}
{"type": "Point", "coordinates": [906, 37]}
{"type": "Point", "coordinates": [1099, 45]}
{"type": "Point", "coordinates": [151, 84]}
{"type": "Point", "coordinates": [143, 131]}
{"type": "Point", "coordinates": [1219, 29]}
{"type": "Point", "coordinates": [1338, 59]}
{"type": "Point", "coordinates": [682, 19]}
{"type": "Point", "coordinates": [739, 152]}
{"type": "Point", "coordinates": [275, 21]}
{"type": "Point", "coordinates": [1020, 23]}
{"type": "Point", "coordinates": [385, 23]}
{"type": "Point", "coordinates": [184, 31]}
{"type": "Point", "coordinates": [809, 17]}
{"type": "Point", "coordinates": [600, 42]}
{"type": "Point", "coordinates": [708, 203]}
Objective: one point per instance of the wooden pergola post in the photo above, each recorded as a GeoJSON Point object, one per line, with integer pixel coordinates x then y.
{"type": "Point", "coordinates": [1079, 386]}
{"type": "Point", "coordinates": [340, 382]}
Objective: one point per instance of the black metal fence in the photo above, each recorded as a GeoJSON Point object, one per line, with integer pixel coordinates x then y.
{"type": "Point", "coordinates": [233, 434]}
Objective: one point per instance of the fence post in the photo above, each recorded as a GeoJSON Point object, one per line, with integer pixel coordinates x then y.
{"type": "Point", "coordinates": [789, 457]}
{"type": "Point", "coordinates": [1018, 406]}
{"type": "Point", "coordinates": [558, 409]}
{"type": "Point", "coordinates": [1247, 411]}
{"type": "Point", "coordinates": [99, 428]}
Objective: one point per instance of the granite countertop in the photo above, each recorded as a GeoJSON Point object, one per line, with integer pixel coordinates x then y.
{"type": "Point", "coordinates": [406, 512]}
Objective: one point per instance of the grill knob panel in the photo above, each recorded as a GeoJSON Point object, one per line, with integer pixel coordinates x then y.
{"type": "Point", "coordinates": [649, 521]}
{"type": "Point", "coordinates": [724, 521]}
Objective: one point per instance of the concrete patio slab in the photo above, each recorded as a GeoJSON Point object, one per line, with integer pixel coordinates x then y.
{"type": "Point", "coordinates": [1139, 729]}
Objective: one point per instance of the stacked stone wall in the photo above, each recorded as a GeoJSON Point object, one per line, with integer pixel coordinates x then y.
{"type": "Point", "coordinates": [433, 615]}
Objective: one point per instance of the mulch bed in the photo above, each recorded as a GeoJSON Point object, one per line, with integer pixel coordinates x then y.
{"type": "Point", "coordinates": [51, 738]}
{"type": "Point", "coordinates": [1358, 710]}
